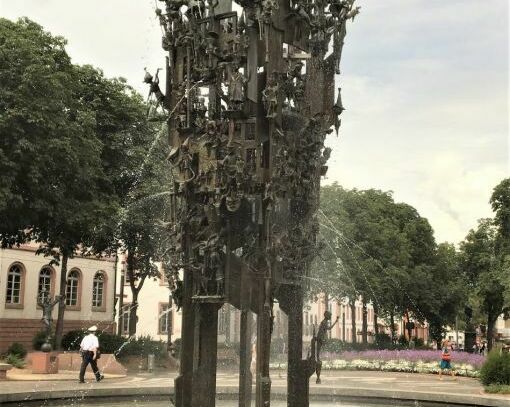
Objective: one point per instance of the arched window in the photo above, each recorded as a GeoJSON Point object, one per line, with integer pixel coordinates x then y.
{"type": "Point", "coordinates": [164, 319]}
{"type": "Point", "coordinates": [73, 288]}
{"type": "Point", "coordinates": [44, 286]}
{"type": "Point", "coordinates": [14, 295]}
{"type": "Point", "coordinates": [124, 318]}
{"type": "Point", "coordinates": [98, 290]}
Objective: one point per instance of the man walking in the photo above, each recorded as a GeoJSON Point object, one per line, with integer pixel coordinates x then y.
{"type": "Point", "coordinates": [89, 352]}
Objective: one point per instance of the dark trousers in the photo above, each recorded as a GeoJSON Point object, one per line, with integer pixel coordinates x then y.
{"type": "Point", "coordinates": [86, 358]}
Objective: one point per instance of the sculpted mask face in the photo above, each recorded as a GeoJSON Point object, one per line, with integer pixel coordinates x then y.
{"type": "Point", "coordinates": [233, 202]}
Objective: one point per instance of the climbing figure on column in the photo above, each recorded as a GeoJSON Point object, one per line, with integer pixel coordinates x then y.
{"type": "Point", "coordinates": [319, 339]}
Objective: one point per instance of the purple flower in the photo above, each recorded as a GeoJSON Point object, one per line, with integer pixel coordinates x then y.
{"type": "Point", "coordinates": [408, 355]}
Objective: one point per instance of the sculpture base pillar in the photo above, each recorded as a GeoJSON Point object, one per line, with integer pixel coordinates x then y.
{"type": "Point", "coordinates": [206, 349]}
{"type": "Point", "coordinates": [263, 382]}
{"type": "Point", "coordinates": [44, 362]}
{"type": "Point", "coordinates": [245, 376]}
{"type": "Point", "coordinates": [184, 382]}
{"type": "Point", "coordinates": [298, 370]}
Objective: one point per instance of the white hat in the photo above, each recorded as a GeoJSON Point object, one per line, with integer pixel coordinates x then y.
{"type": "Point", "coordinates": [93, 328]}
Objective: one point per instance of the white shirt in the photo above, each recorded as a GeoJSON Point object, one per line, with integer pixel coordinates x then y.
{"type": "Point", "coordinates": [90, 342]}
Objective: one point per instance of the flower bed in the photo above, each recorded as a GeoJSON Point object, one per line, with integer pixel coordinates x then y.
{"type": "Point", "coordinates": [410, 361]}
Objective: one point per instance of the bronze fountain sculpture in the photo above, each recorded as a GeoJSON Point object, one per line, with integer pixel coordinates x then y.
{"type": "Point", "coordinates": [47, 304]}
{"type": "Point", "coordinates": [249, 100]}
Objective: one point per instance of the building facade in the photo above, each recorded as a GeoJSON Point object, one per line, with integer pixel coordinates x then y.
{"type": "Point", "coordinates": [157, 317]}
{"type": "Point", "coordinates": [503, 329]}
{"type": "Point", "coordinates": [25, 277]}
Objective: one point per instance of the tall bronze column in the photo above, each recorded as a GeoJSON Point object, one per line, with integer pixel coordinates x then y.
{"type": "Point", "coordinates": [245, 354]}
{"type": "Point", "coordinates": [204, 369]}
{"type": "Point", "coordinates": [249, 99]}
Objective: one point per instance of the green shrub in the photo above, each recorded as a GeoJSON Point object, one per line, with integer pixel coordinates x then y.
{"type": "Point", "coordinates": [118, 345]}
{"type": "Point", "coordinates": [71, 340]}
{"type": "Point", "coordinates": [419, 343]}
{"type": "Point", "coordinates": [402, 341]}
{"type": "Point", "coordinates": [17, 349]}
{"type": "Point", "coordinates": [496, 369]}
{"type": "Point", "coordinates": [498, 388]}
{"type": "Point", "coordinates": [39, 339]}
{"type": "Point", "coordinates": [383, 341]}
{"type": "Point", "coordinates": [333, 345]}
{"type": "Point", "coordinates": [15, 361]}
{"type": "Point", "coordinates": [141, 346]}
{"type": "Point", "coordinates": [176, 344]}
{"type": "Point", "coordinates": [109, 343]}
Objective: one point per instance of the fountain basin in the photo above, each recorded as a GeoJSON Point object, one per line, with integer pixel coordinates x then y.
{"type": "Point", "coordinates": [92, 395]}
{"type": "Point", "coordinates": [149, 401]}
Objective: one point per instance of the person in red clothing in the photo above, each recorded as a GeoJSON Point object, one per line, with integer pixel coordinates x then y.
{"type": "Point", "coordinates": [446, 359]}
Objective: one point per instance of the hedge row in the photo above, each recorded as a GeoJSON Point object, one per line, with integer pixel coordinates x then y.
{"type": "Point", "coordinates": [118, 345]}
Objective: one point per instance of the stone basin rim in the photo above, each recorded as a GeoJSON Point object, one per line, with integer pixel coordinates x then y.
{"type": "Point", "coordinates": [230, 393]}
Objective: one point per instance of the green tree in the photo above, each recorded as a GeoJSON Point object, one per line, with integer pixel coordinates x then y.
{"type": "Point", "coordinates": [450, 291]}
{"type": "Point", "coordinates": [383, 253]}
{"type": "Point", "coordinates": [76, 150]}
{"type": "Point", "coordinates": [484, 272]}
{"type": "Point", "coordinates": [57, 193]}
{"type": "Point", "coordinates": [142, 232]}
{"type": "Point", "coordinates": [35, 122]}
{"type": "Point", "coordinates": [500, 202]}
{"type": "Point", "coordinates": [366, 250]}
{"type": "Point", "coordinates": [134, 158]}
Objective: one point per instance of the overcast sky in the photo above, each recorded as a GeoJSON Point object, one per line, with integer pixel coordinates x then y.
{"type": "Point", "coordinates": [425, 84]}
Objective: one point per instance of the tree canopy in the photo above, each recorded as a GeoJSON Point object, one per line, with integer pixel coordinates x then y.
{"type": "Point", "coordinates": [485, 260]}
{"type": "Point", "coordinates": [384, 253]}
{"type": "Point", "coordinates": [76, 151]}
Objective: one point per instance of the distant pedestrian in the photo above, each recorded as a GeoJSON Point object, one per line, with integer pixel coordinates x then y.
{"type": "Point", "coordinates": [482, 349]}
{"type": "Point", "coordinates": [446, 359]}
{"type": "Point", "coordinates": [89, 349]}
{"type": "Point", "coordinates": [476, 348]}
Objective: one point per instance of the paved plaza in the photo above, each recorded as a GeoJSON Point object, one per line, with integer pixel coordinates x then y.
{"type": "Point", "coordinates": [334, 384]}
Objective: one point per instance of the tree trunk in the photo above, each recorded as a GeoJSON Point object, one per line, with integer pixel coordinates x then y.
{"type": "Point", "coordinates": [376, 323]}
{"type": "Point", "coordinates": [365, 323]}
{"type": "Point", "coordinates": [133, 317]}
{"type": "Point", "coordinates": [59, 329]}
{"type": "Point", "coordinates": [392, 326]}
{"type": "Point", "coordinates": [353, 320]}
{"type": "Point", "coordinates": [133, 309]}
{"type": "Point", "coordinates": [435, 332]}
{"type": "Point", "coordinates": [491, 323]}
{"type": "Point", "coordinates": [408, 326]}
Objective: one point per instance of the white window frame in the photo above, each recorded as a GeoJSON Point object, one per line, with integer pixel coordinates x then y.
{"type": "Point", "coordinates": [46, 274]}
{"type": "Point", "coordinates": [72, 288]}
{"type": "Point", "coordinates": [14, 283]}
{"type": "Point", "coordinates": [98, 292]}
